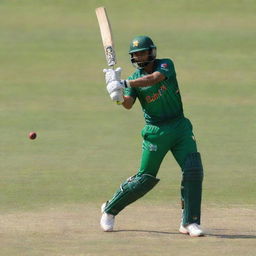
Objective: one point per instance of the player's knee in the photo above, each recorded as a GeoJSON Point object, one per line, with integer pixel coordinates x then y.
{"type": "Point", "coordinates": [192, 168]}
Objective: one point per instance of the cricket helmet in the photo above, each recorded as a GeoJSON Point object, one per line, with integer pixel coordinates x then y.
{"type": "Point", "coordinates": [142, 43]}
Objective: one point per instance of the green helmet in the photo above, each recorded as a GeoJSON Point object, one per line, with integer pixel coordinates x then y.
{"type": "Point", "coordinates": [141, 43]}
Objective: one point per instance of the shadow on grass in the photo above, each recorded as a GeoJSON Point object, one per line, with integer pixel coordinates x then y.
{"type": "Point", "coordinates": [232, 236]}
{"type": "Point", "coordinates": [147, 231]}
{"type": "Point", "coordinates": [208, 234]}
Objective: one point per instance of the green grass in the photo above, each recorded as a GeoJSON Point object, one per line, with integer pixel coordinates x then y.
{"type": "Point", "coordinates": [51, 81]}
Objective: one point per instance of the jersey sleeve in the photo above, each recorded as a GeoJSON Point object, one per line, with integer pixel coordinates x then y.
{"type": "Point", "coordinates": [130, 91]}
{"type": "Point", "coordinates": [166, 67]}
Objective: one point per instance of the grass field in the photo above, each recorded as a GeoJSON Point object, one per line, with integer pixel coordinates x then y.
{"type": "Point", "coordinates": [51, 82]}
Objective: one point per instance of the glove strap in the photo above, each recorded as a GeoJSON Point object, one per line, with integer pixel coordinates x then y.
{"type": "Point", "coordinates": [127, 84]}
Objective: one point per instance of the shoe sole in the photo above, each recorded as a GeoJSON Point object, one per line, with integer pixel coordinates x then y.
{"type": "Point", "coordinates": [185, 232]}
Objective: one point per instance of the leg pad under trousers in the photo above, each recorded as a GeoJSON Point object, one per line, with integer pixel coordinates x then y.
{"type": "Point", "coordinates": [191, 188]}
{"type": "Point", "coordinates": [131, 190]}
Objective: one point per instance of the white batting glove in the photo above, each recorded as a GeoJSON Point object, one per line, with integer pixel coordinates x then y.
{"type": "Point", "coordinates": [117, 96]}
{"type": "Point", "coordinates": [114, 86]}
{"type": "Point", "coordinates": [112, 75]}
{"type": "Point", "coordinates": [115, 90]}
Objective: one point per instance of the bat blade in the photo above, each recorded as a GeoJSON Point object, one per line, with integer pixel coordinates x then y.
{"type": "Point", "coordinates": [106, 35]}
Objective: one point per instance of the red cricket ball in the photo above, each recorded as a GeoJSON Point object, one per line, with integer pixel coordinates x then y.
{"type": "Point", "coordinates": [32, 135]}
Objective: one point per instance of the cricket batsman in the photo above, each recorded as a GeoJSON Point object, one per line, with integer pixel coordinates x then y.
{"type": "Point", "coordinates": [166, 129]}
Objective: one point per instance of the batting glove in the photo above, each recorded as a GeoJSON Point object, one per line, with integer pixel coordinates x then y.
{"type": "Point", "coordinates": [114, 86]}
{"type": "Point", "coordinates": [117, 96]}
{"type": "Point", "coordinates": [112, 75]}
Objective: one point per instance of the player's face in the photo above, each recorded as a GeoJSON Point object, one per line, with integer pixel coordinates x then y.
{"type": "Point", "coordinates": [141, 56]}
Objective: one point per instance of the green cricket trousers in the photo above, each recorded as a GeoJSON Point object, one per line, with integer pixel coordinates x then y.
{"type": "Point", "coordinates": [175, 136]}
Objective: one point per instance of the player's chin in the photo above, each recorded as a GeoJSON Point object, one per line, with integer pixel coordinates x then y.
{"type": "Point", "coordinates": [140, 65]}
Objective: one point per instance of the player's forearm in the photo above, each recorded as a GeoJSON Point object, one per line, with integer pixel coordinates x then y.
{"type": "Point", "coordinates": [143, 81]}
{"type": "Point", "coordinates": [147, 80]}
{"type": "Point", "coordinates": [128, 102]}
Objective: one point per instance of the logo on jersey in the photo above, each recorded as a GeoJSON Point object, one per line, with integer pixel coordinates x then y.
{"type": "Point", "coordinates": [164, 66]}
{"type": "Point", "coordinates": [155, 96]}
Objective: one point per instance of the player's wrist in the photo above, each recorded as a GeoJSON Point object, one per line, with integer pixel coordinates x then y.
{"type": "Point", "coordinates": [126, 83]}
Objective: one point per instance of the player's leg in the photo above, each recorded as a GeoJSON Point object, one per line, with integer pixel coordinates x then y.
{"type": "Point", "coordinates": [130, 190]}
{"type": "Point", "coordinates": [154, 149]}
{"type": "Point", "coordinates": [185, 152]}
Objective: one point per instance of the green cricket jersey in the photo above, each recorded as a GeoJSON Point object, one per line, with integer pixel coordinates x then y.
{"type": "Point", "coordinates": [160, 102]}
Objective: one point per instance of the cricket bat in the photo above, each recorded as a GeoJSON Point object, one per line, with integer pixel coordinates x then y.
{"type": "Point", "coordinates": [106, 35]}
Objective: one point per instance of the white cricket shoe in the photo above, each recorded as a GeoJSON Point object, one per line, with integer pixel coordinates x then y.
{"type": "Point", "coordinates": [107, 220]}
{"type": "Point", "coordinates": [193, 230]}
